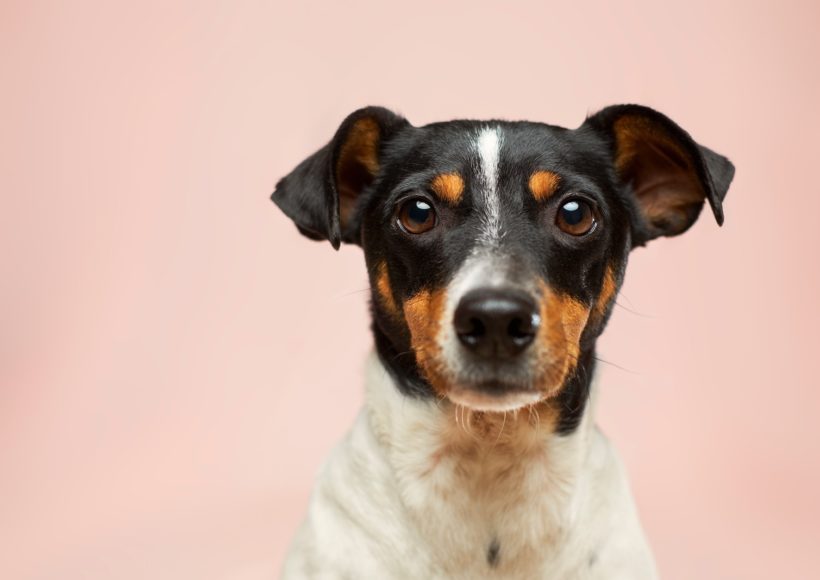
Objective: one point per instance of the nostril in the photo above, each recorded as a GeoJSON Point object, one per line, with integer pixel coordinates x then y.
{"type": "Point", "coordinates": [522, 330]}
{"type": "Point", "coordinates": [518, 329]}
{"type": "Point", "coordinates": [472, 332]}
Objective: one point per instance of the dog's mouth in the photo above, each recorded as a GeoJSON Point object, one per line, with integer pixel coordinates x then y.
{"type": "Point", "coordinates": [499, 386]}
{"type": "Point", "coordinates": [502, 388]}
{"type": "Point", "coordinates": [494, 397]}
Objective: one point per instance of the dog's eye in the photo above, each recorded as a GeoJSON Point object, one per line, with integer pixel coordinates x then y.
{"type": "Point", "coordinates": [417, 216]}
{"type": "Point", "coordinates": [575, 217]}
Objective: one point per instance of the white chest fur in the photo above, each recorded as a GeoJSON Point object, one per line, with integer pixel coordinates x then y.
{"type": "Point", "coordinates": [422, 490]}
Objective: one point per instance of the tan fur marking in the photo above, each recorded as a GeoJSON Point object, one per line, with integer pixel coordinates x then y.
{"type": "Point", "coordinates": [448, 187]}
{"type": "Point", "coordinates": [385, 291]}
{"type": "Point", "coordinates": [607, 294]}
{"type": "Point", "coordinates": [563, 319]}
{"type": "Point", "coordinates": [543, 184]}
{"type": "Point", "coordinates": [357, 165]}
{"type": "Point", "coordinates": [423, 313]}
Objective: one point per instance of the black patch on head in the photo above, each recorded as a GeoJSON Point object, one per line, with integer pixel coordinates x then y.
{"type": "Point", "coordinates": [494, 553]}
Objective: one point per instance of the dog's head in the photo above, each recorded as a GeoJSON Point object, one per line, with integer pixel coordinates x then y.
{"type": "Point", "coordinates": [495, 249]}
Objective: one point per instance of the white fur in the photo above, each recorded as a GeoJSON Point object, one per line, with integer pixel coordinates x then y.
{"type": "Point", "coordinates": [396, 500]}
{"type": "Point", "coordinates": [488, 147]}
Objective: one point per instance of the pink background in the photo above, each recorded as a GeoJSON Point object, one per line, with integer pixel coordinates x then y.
{"type": "Point", "coordinates": [175, 360]}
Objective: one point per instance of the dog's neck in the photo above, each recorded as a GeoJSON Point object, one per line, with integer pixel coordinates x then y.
{"type": "Point", "coordinates": [420, 433]}
{"type": "Point", "coordinates": [482, 478]}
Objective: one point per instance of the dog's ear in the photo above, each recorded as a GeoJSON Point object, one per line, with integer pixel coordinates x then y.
{"type": "Point", "coordinates": [320, 194]}
{"type": "Point", "coordinates": [670, 175]}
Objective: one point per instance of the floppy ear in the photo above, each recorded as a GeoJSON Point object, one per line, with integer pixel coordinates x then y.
{"type": "Point", "coordinates": [320, 194]}
{"type": "Point", "coordinates": [670, 175]}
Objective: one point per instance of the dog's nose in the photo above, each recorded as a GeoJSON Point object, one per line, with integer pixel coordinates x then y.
{"type": "Point", "coordinates": [496, 322]}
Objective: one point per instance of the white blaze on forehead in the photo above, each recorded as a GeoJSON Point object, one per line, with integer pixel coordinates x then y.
{"type": "Point", "coordinates": [486, 266]}
{"type": "Point", "coordinates": [487, 145]}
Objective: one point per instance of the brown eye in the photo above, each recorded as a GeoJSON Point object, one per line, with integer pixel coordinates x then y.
{"type": "Point", "coordinates": [575, 217]}
{"type": "Point", "coordinates": [417, 216]}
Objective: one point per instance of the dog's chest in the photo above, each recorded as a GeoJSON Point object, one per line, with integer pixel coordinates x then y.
{"type": "Point", "coordinates": [414, 492]}
{"type": "Point", "coordinates": [499, 503]}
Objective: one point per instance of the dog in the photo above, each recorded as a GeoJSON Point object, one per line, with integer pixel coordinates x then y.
{"type": "Point", "coordinates": [495, 251]}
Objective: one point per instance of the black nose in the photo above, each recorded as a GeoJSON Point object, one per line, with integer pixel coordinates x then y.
{"type": "Point", "coordinates": [496, 322]}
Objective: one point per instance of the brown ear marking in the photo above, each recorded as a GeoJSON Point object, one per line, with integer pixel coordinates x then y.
{"type": "Point", "coordinates": [449, 187]}
{"type": "Point", "coordinates": [633, 131]}
{"type": "Point", "coordinates": [385, 291]}
{"type": "Point", "coordinates": [661, 172]}
{"type": "Point", "coordinates": [357, 164]}
{"type": "Point", "coordinates": [423, 313]}
{"type": "Point", "coordinates": [543, 184]}
{"type": "Point", "coordinates": [563, 320]}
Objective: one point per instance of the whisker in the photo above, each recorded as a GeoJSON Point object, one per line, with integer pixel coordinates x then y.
{"type": "Point", "coordinates": [405, 353]}
{"type": "Point", "coordinates": [346, 294]}
{"type": "Point", "coordinates": [501, 431]}
{"type": "Point", "coordinates": [460, 421]}
{"type": "Point", "coordinates": [537, 423]}
{"type": "Point", "coordinates": [626, 370]}
{"type": "Point", "coordinates": [632, 311]}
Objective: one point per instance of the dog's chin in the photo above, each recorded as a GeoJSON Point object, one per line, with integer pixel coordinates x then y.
{"type": "Point", "coordinates": [486, 401]}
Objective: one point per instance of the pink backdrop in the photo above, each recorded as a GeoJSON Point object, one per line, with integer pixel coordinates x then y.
{"type": "Point", "coordinates": [175, 360]}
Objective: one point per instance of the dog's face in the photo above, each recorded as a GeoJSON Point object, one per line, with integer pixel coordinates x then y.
{"type": "Point", "coordinates": [495, 249]}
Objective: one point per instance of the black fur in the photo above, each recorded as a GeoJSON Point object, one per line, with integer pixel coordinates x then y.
{"type": "Point", "coordinates": [494, 553]}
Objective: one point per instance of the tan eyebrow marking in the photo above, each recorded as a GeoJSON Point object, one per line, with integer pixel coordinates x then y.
{"type": "Point", "coordinates": [543, 184]}
{"type": "Point", "coordinates": [448, 187]}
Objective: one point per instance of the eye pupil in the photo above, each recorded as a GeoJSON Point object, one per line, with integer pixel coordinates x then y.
{"type": "Point", "coordinates": [416, 216]}
{"type": "Point", "coordinates": [419, 211]}
{"type": "Point", "coordinates": [572, 213]}
{"type": "Point", "coordinates": [575, 217]}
